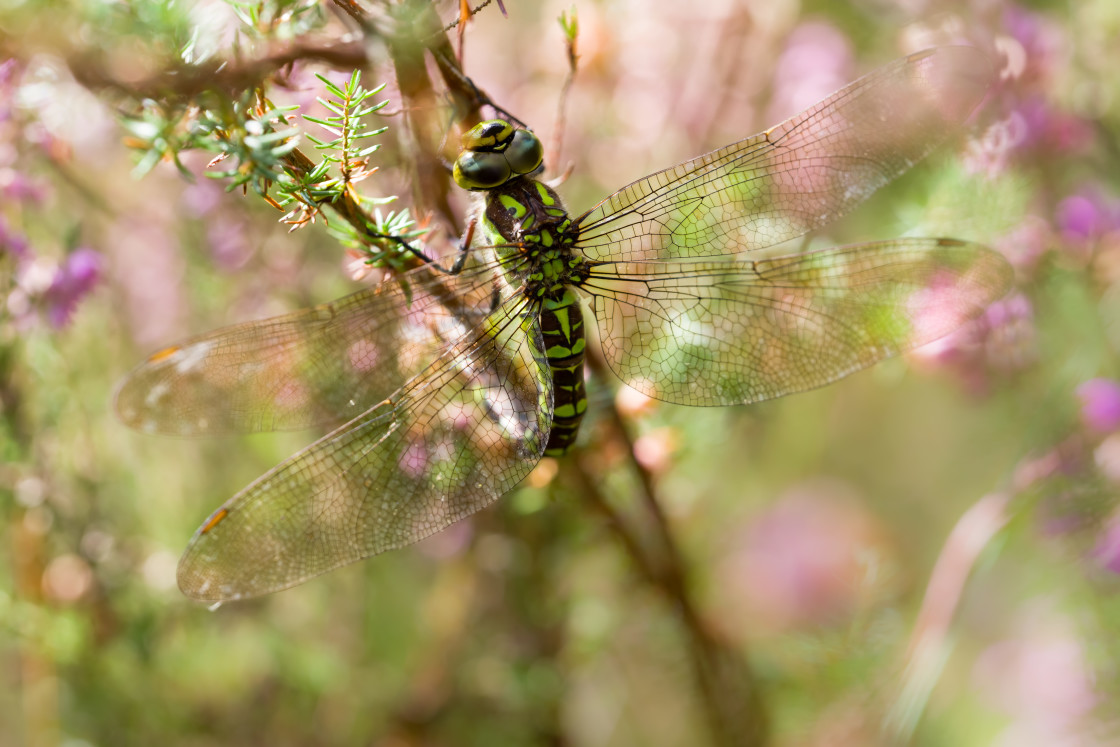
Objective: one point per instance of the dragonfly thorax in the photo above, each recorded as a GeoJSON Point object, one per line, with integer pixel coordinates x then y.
{"type": "Point", "coordinates": [525, 221]}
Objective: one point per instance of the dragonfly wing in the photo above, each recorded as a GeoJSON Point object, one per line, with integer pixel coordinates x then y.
{"type": "Point", "coordinates": [451, 441]}
{"type": "Point", "coordinates": [730, 332]}
{"type": "Point", "coordinates": [797, 175]}
{"type": "Point", "coordinates": [326, 364]}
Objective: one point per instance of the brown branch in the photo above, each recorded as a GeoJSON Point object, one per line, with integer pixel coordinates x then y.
{"type": "Point", "coordinates": [474, 11]}
{"type": "Point", "coordinates": [730, 692]}
{"type": "Point", "coordinates": [418, 30]}
{"type": "Point", "coordinates": [92, 70]}
{"type": "Point", "coordinates": [674, 568]}
{"type": "Point", "coordinates": [352, 9]}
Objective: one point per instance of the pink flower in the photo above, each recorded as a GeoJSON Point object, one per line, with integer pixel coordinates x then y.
{"type": "Point", "coordinates": [1087, 215]}
{"type": "Point", "coordinates": [1045, 127]}
{"type": "Point", "coordinates": [1041, 41]}
{"type": "Point", "coordinates": [1025, 244]}
{"type": "Point", "coordinates": [1100, 404]}
{"type": "Point", "coordinates": [817, 60]}
{"type": "Point", "coordinates": [13, 242]}
{"type": "Point", "coordinates": [802, 561]}
{"type": "Point", "coordinates": [18, 187]}
{"type": "Point", "coordinates": [229, 244]}
{"type": "Point", "coordinates": [1107, 550]}
{"type": "Point", "coordinates": [999, 343]}
{"type": "Point", "coordinates": [1042, 678]}
{"type": "Point", "coordinates": [77, 277]}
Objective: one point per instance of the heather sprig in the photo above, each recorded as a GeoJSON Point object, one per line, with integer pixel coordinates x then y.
{"type": "Point", "coordinates": [255, 135]}
{"type": "Point", "coordinates": [348, 150]}
{"type": "Point", "coordinates": [255, 145]}
{"type": "Point", "coordinates": [345, 159]}
{"type": "Point", "coordinates": [248, 130]}
{"type": "Point", "coordinates": [382, 245]}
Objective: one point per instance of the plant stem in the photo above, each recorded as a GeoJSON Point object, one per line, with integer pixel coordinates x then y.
{"type": "Point", "coordinates": [731, 695]}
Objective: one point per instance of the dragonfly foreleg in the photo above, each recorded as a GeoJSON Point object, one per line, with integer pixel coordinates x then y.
{"type": "Point", "coordinates": [464, 248]}
{"type": "Point", "coordinates": [403, 244]}
{"type": "Point", "coordinates": [460, 258]}
{"type": "Point", "coordinates": [461, 255]}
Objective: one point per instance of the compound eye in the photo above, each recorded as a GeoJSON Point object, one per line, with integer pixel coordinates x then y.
{"type": "Point", "coordinates": [493, 134]}
{"type": "Point", "coordinates": [525, 152]}
{"type": "Point", "coordinates": [480, 170]}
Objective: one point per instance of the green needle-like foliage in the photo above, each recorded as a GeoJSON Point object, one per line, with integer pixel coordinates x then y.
{"type": "Point", "coordinates": [348, 148]}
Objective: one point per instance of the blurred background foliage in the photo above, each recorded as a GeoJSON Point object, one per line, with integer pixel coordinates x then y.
{"type": "Point", "coordinates": [924, 553]}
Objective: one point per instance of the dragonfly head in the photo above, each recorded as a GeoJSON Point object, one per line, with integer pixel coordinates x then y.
{"type": "Point", "coordinates": [494, 152]}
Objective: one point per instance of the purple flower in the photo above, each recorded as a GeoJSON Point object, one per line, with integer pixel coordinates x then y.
{"type": "Point", "coordinates": [12, 242]}
{"type": "Point", "coordinates": [1100, 404]}
{"type": "Point", "coordinates": [1078, 217]}
{"type": "Point", "coordinates": [73, 282]}
{"type": "Point", "coordinates": [1045, 127]}
{"type": "Point", "coordinates": [1035, 52]}
{"type": "Point", "coordinates": [1024, 26]}
{"type": "Point", "coordinates": [1107, 550]}
{"type": "Point", "coordinates": [999, 343]}
{"type": "Point", "coordinates": [1087, 215]}
{"type": "Point", "coordinates": [1039, 39]}
{"type": "Point", "coordinates": [17, 187]}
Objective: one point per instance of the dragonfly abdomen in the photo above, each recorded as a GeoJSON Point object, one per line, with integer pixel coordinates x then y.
{"type": "Point", "coordinates": [561, 321]}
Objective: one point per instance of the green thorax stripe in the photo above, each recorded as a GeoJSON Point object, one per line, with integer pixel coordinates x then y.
{"type": "Point", "coordinates": [525, 217]}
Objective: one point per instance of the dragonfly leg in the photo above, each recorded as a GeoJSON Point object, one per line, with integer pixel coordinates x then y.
{"type": "Point", "coordinates": [464, 248]}
{"type": "Point", "coordinates": [404, 245]}
{"type": "Point", "coordinates": [460, 259]}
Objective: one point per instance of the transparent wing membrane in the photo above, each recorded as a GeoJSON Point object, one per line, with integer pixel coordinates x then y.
{"type": "Point", "coordinates": [322, 365]}
{"type": "Point", "coordinates": [798, 175]}
{"type": "Point", "coordinates": [732, 332]}
{"type": "Point", "coordinates": [463, 432]}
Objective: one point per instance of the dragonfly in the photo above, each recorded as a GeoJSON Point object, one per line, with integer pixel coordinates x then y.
{"type": "Point", "coordinates": [445, 387]}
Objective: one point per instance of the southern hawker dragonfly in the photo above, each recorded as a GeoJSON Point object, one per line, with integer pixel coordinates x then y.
{"type": "Point", "coordinates": [447, 387]}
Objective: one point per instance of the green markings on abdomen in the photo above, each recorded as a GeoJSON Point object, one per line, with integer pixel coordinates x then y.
{"type": "Point", "coordinates": [564, 343]}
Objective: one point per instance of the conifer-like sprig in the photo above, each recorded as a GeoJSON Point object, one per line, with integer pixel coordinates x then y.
{"type": "Point", "coordinates": [348, 150]}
